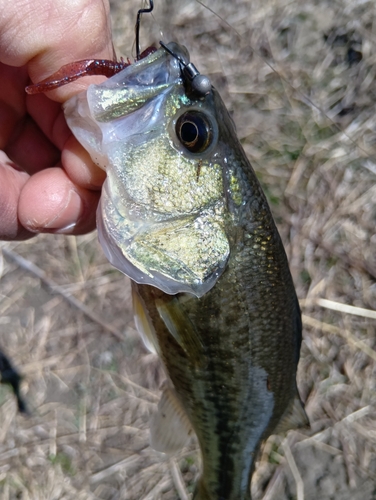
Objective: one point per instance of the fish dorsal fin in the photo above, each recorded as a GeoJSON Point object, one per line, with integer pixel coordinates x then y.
{"type": "Point", "coordinates": [294, 417]}
{"type": "Point", "coordinates": [143, 323]}
{"type": "Point", "coordinates": [181, 328]}
{"type": "Point", "coordinates": [169, 427]}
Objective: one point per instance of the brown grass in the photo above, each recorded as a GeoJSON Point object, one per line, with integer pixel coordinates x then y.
{"type": "Point", "coordinates": [304, 104]}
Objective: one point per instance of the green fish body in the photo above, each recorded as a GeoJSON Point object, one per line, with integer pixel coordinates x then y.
{"type": "Point", "coordinates": [183, 214]}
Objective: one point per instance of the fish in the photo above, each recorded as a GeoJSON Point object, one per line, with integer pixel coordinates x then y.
{"type": "Point", "coordinates": [183, 214]}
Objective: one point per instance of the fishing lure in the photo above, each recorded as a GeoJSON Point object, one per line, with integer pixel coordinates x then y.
{"type": "Point", "coordinates": [90, 67]}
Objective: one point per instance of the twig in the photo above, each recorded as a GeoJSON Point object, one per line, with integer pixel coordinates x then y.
{"type": "Point", "coordinates": [40, 364]}
{"type": "Point", "coordinates": [178, 480]}
{"type": "Point", "coordinates": [53, 433]}
{"type": "Point", "coordinates": [325, 327]}
{"type": "Point", "coordinates": [355, 415]}
{"type": "Point", "coordinates": [55, 288]}
{"type": "Point", "coordinates": [323, 446]}
{"type": "Point", "coordinates": [320, 436]}
{"type": "Point", "coordinates": [105, 473]}
{"type": "Point", "coordinates": [363, 266]}
{"type": "Point", "coordinates": [275, 484]}
{"type": "Point", "coordinates": [159, 487]}
{"type": "Point", "coordinates": [128, 381]}
{"type": "Point", "coordinates": [337, 306]}
{"type": "Point", "coordinates": [349, 460]}
{"type": "Point", "coordinates": [295, 472]}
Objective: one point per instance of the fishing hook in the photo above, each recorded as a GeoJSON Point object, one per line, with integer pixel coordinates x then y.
{"type": "Point", "coordinates": [137, 27]}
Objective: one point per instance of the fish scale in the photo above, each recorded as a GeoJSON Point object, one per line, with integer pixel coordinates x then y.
{"type": "Point", "coordinates": [222, 409]}
{"type": "Point", "coordinates": [240, 325]}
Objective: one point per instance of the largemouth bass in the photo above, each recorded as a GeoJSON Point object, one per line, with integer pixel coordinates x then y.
{"type": "Point", "coordinates": [183, 215]}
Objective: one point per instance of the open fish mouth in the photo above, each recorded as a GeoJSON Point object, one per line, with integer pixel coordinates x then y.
{"type": "Point", "coordinates": [161, 219]}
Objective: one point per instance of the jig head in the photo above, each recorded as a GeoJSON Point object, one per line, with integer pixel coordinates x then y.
{"type": "Point", "coordinates": [199, 85]}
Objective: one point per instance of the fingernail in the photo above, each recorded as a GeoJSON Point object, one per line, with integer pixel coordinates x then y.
{"type": "Point", "coordinates": [68, 217]}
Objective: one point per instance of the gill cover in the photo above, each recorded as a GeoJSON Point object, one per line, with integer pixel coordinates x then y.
{"type": "Point", "coordinates": [161, 215]}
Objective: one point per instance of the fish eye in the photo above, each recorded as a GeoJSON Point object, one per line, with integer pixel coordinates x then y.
{"type": "Point", "coordinates": [194, 131]}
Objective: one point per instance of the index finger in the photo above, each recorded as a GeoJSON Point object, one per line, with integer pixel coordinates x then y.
{"type": "Point", "coordinates": [46, 34]}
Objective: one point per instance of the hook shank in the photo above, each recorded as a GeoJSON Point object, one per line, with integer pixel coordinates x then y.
{"type": "Point", "coordinates": [138, 21]}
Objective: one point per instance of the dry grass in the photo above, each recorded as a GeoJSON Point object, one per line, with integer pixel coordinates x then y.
{"type": "Point", "coordinates": [304, 104]}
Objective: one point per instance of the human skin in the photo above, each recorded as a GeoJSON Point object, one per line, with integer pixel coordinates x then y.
{"type": "Point", "coordinates": [47, 181]}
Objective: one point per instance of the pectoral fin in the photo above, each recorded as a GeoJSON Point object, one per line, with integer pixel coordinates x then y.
{"type": "Point", "coordinates": [181, 328]}
{"type": "Point", "coordinates": [169, 427]}
{"type": "Point", "coordinates": [294, 417]}
{"type": "Point", "coordinates": [143, 323]}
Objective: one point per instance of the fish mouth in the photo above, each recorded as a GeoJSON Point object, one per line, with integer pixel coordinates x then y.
{"type": "Point", "coordinates": [182, 249]}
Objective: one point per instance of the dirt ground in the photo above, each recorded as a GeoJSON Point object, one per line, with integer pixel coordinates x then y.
{"type": "Point", "coordinates": [299, 80]}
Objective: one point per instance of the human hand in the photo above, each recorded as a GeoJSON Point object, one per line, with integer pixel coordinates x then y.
{"type": "Point", "coordinates": [48, 182]}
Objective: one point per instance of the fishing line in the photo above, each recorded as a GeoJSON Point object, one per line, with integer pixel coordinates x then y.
{"type": "Point", "coordinates": [306, 99]}
{"type": "Point", "coordinates": [219, 17]}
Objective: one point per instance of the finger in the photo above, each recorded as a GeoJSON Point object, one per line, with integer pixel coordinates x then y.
{"type": "Point", "coordinates": [30, 148]}
{"type": "Point", "coordinates": [46, 34]}
{"type": "Point", "coordinates": [11, 184]}
{"type": "Point", "coordinates": [21, 138]}
{"type": "Point", "coordinates": [50, 118]}
{"type": "Point", "coordinates": [51, 203]}
{"type": "Point", "coordinates": [75, 160]}
{"type": "Point", "coordinates": [80, 167]}
{"type": "Point", "coordinates": [12, 100]}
